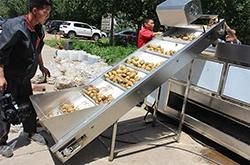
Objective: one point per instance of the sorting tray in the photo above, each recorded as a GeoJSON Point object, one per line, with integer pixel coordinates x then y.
{"type": "Point", "coordinates": [80, 103]}
{"type": "Point", "coordinates": [147, 57]}
{"type": "Point", "coordinates": [174, 38]}
{"type": "Point", "coordinates": [106, 88]}
{"type": "Point", "coordinates": [174, 32]}
{"type": "Point", "coordinates": [166, 45]}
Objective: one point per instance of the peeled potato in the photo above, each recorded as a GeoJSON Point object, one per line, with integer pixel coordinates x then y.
{"type": "Point", "coordinates": [94, 93]}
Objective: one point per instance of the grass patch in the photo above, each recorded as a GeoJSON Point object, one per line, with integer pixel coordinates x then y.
{"type": "Point", "coordinates": [111, 54]}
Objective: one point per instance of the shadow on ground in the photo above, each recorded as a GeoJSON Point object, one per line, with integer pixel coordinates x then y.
{"type": "Point", "coordinates": [130, 132]}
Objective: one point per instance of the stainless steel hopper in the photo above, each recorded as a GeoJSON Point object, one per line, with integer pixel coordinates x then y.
{"type": "Point", "coordinates": [179, 12]}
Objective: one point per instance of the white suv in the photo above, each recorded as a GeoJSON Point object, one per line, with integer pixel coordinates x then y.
{"type": "Point", "coordinates": [72, 29]}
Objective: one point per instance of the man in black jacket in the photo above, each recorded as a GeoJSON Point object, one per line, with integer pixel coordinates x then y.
{"type": "Point", "coordinates": [21, 43]}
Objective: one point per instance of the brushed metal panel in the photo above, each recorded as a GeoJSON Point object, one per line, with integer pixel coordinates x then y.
{"type": "Point", "coordinates": [237, 84]}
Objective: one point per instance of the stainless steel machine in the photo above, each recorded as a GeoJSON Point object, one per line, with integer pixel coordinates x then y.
{"type": "Point", "coordinates": [215, 90]}
{"type": "Point", "coordinates": [76, 116]}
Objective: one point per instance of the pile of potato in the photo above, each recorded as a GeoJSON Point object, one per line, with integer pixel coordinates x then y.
{"type": "Point", "coordinates": [170, 52]}
{"type": "Point", "coordinates": [123, 76]}
{"type": "Point", "coordinates": [67, 108]}
{"type": "Point", "coordinates": [160, 50]}
{"type": "Point", "coordinates": [94, 93]}
{"type": "Point", "coordinates": [139, 63]}
{"type": "Point", "coordinates": [185, 37]}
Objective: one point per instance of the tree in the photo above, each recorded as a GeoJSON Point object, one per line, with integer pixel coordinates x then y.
{"type": "Point", "coordinates": [16, 7]}
{"type": "Point", "coordinates": [132, 12]}
{"type": "Point", "coordinates": [136, 10]}
{"type": "Point", "coordinates": [3, 9]}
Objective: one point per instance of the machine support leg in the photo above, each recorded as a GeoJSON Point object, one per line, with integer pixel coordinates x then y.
{"type": "Point", "coordinates": [182, 115]}
{"type": "Point", "coordinates": [112, 148]}
{"type": "Point", "coordinates": [156, 106]}
{"type": "Point", "coordinates": [223, 79]}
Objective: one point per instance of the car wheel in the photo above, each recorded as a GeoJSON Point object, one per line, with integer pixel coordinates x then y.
{"type": "Point", "coordinates": [96, 37]}
{"type": "Point", "coordinates": [71, 34]}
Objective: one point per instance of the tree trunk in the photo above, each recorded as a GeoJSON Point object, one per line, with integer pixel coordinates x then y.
{"type": "Point", "coordinates": [138, 28]}
{"type": "Point", "coordinates": [112, 30]}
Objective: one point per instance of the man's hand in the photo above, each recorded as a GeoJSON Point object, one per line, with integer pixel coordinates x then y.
{"type": "Point", "coordinates": [3, 84]}
{"type": "Point", "coordinates": [44, 71]}
{"type": "Point", "coordinates": [231, 35]}
{"type": "Point", "coordinates": [157, 33]}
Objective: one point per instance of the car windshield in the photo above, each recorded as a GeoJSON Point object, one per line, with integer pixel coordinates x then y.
{"type": "Point", "coordinates": [57, 23]}
{"type": "Point", "coordinates": [127, 32]}
{"type": "Point", "coordinates": [65, 23]}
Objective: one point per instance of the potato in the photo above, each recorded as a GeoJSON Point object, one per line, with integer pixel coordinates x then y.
{"type": "Point", "coordinates": [67, 108]}
{"type": "Point", "coordinates": [91, 94]}
{"type": "Point", "coordinates": [106, 75]}
{"type": "Point", "coordinates": [186, 38]}
{"type": "Point", "coordinates": [96, 96]}
{"type": "Point", "coordinates": [99, 99]}
{"type": "Point", "coordinates": [136, 59]}
{"type": "Point", "coordinates": [119, 71]}
{"type": "Point", "coordinates": [142, 62]}
{"type": "Point", "coordinates": [130, 60]}
{"type": "Point", "coordinates": [122, 67]}
{"type": "Point", "coordinates": [126, 85]}
{"type": "Point", "coordinates": [88, 92]}
{"type": "Point", "coordinates": [120, 80]}
{"type": "Point", "coordinates": [150, 65]}
{"type": "Point", "coordinates": [157, 65]}
{"type": "Point", "coordinates": [148, 68]}
{"type": "Point", "coordinates": [130, 83]}
{"type": "Point", "coordinates": [137, 78]}
{"type": "Point", "coordinates": [109, 73]}
{"type": "Point", "coordinates": [114, 72]}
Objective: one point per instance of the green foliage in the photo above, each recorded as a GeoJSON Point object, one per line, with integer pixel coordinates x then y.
{"type": "Point", "coordinates": [111, 54]}
{"type": "Point", "coordinates": [12, 8]}
{"type": "Point", "coordinates": [136, 10]}
{"type": "Point", "coordinates": [3, 10]}
{"type": "Point", "coordinates": [55, 43]}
